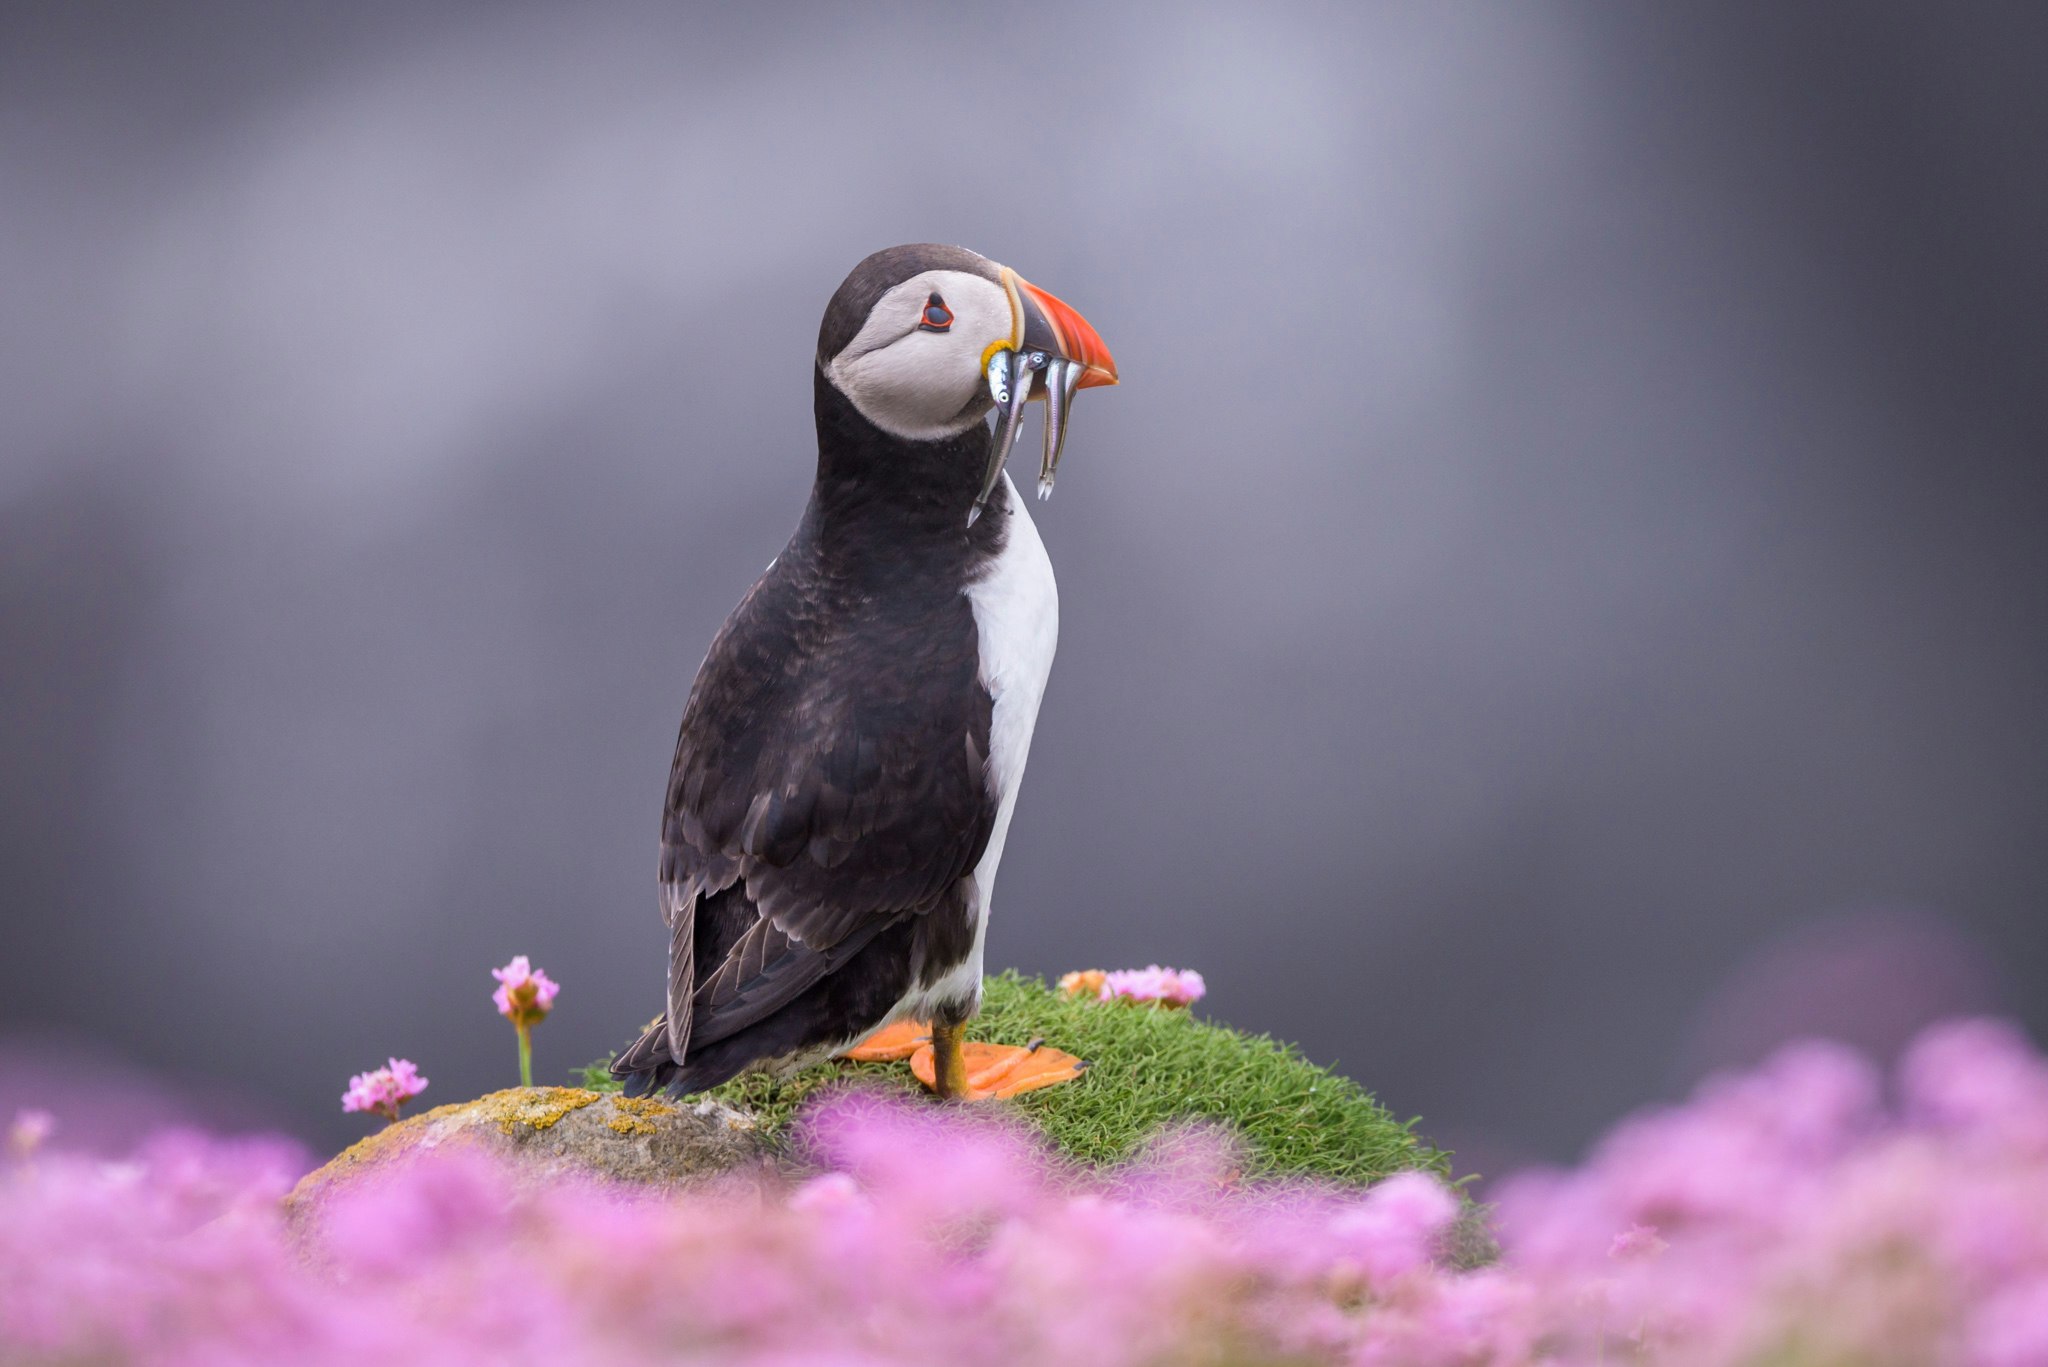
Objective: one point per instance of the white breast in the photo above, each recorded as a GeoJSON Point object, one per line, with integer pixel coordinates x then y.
{"type": "Point", "coordinates": [1017, 618]}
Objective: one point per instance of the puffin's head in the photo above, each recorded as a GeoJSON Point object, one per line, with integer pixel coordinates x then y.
{"type": "Point", "coordinates": [923, 340]}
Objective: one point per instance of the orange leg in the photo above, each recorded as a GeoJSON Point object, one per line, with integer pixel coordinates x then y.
{"type": "Point", "coordinates": [948, 1064]}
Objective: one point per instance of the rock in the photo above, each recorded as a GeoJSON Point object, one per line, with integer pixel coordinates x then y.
{"type": "Point", "coordinates": [549, 1132]}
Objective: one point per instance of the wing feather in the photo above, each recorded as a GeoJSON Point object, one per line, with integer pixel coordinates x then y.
{"type": "Point", "coordinates": [829, 771]}
{"type": "Point", "coordinates": [681, 914]}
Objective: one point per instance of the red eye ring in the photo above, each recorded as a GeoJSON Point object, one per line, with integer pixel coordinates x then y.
{"type": "Point", "coordinates": [936, 317]}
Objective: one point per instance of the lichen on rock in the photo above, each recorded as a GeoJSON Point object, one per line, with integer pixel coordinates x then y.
{"type": "Point", "coordinates": [545, 1133]}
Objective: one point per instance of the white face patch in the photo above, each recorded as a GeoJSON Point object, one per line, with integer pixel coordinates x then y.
{"type": "Point", "coordinates": [915, 383]}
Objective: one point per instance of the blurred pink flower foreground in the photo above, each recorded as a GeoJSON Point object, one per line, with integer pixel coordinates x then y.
{"type": "Point", "coordinates": [383, 1091]}
{"type": "Point", "coordinates": [1786, 1216]}
{"type": "Point", "coordinates": [29, 1130]}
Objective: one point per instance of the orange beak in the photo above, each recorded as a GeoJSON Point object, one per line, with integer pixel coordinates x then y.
{"type": "Point", "coordinates": [1051, 324]}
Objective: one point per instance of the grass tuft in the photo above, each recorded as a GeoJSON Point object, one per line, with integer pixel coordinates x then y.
{"type": "Point", "coordinates": [1149, 1067]}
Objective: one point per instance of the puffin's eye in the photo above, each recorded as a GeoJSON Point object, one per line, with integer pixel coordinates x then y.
{"type": "Point", "coordinates": [937, 317]}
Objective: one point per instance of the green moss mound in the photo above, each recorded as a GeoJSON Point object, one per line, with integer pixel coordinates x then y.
{"type": "Point", "coordinates": [1148, 1068]}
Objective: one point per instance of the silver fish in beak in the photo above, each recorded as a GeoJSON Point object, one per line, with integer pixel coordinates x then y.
{"type": "Point", "coordinates": [1048, 340]}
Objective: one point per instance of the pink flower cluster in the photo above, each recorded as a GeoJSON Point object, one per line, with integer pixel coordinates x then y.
{"type": "Point", "coordinates": [1165, 986]}
{"type": "Point", "coordinates": [1152, 985]}
{"type": "Point", "coordinates": [1787, 1216]}
{"type": "Point", "coordinates": [525, 994]}
{"type": "Point", "coordinates": [384, 1090]}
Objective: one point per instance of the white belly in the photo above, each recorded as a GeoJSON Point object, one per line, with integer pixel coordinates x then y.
{"type": "Point", "coordinates": [1017, 617]}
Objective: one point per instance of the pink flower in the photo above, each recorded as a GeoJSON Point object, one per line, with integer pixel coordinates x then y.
{"type": "Point", "coordinates": [1980, 1081]}
{"type": "Point", "coordinates": [1165, 986]}
{"type": "Point", "coordinates": [1637, 1241]}
{"type": "Point", "coordinates": [2012, 1329]}
{"type": "Point", "coordinates": [382, 1092]}
{"type": "Point", "coordinates": [525, 994]}
{"type": "Point", "coordinates": [1396, 1228]}
{"type": "Point", "coordinates": [30, 1129]}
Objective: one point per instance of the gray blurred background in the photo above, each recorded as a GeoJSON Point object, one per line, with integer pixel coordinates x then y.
{"type": "Point", "coordinates": [1557, 603]}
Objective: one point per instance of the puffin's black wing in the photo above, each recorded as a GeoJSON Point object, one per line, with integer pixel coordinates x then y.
{"type": "Point", "coordinates": [829, 782]}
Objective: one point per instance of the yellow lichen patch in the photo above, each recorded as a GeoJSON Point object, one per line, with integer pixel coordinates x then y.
{"type": "Point", "coordinates": [363, 1151]}
{"type": "Point", "coordinates": [537, 1108]}
{"type": "Point", "coordinates": [637, 1114]}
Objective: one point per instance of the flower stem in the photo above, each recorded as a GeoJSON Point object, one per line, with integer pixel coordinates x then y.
{"type": "Point", "coordinates": [525, 1056]}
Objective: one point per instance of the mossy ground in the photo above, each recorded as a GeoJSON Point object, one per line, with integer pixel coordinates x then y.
{"type": "Point", "coordinates": [1148, 1067]}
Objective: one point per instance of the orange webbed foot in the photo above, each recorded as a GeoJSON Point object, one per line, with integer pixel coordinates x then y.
{"type": "Point", "coordinates": [1002, 1070]}
{"type": "Point", "coordinates": [892, 1042]}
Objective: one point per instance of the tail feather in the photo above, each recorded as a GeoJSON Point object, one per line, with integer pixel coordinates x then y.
{"type": "Point", "coordinates": [646, 1065]}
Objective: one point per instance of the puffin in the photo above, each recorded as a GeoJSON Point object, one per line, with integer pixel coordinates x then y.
{"type": "Point", "coordinates": [852, 748]}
